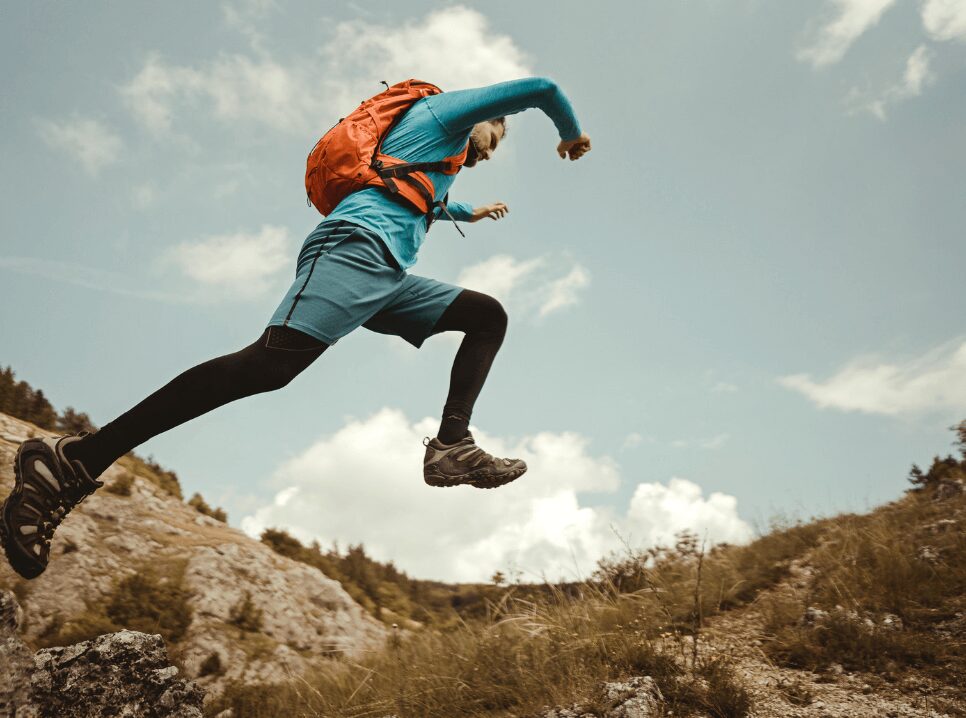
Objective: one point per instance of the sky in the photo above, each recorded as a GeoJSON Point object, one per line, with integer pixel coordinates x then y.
{"type": "Point", "coordinates": [745, 304]}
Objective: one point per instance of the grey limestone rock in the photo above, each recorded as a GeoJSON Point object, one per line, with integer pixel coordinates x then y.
{"type": "Point", "coordinates": [125, 674]}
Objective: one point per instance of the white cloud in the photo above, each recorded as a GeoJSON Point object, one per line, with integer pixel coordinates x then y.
{"type": "Point", "coordinates": [945, 19]}
{"type": "Point", "coordinates": [657, 512]}
{"type": "Point", "coordinates": [533, 286]}
{"type": "Point", "coordinates": [916, 76]}
{"type": "Point", "coordinates": [240, 265]}
{"type": "Point", "coordinates": [851, 19]}
{"type": "Point", "coordinates": [232, 88]}
{"type": "Point", "coordinates": [723, 387]}
{"type": "Point", "coordinates": [452, 47]}
{"type": "Point", "coordinates": [364, 484]}
{"type": "Point", "coordinates": [87, 141]}
{"type": "Point", "coordinates": [499, 276]}
{"type": "Point", "coordinates": [564, 291]}
{"type": "Point", "coordinates": [247, 17]}
{"type": "Point", "coordinates": [934, 381]}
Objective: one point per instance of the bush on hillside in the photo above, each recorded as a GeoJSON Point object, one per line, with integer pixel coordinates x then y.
{"type": "Point", "coordinates": [246, 615]}
{"type": "Point", "coordinates": [388, 593]}
{"type": "Point", "coordinates": [200, 505]}
{"type": "Point", "coordinates": [121, 485]}
{"type": "Point", "coordinates": [152, 602]}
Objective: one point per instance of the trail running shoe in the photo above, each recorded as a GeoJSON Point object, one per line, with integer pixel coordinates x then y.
{"type": "Point", "coordinates": [48, 485]}
{"type": "Point", "coordinates": [466, 463]}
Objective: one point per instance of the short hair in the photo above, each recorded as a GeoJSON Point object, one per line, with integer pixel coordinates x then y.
{"type": "Point", "coordinates": [500, 121]}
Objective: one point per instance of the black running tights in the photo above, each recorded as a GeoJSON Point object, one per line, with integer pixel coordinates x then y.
{"type": "Point", "coordinates": [273, 360]}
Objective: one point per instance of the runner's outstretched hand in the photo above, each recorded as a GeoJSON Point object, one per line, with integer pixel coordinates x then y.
{"type": "Point", "coordinates": [577, 148]}
{"type": "Point", "coordinates": [493, 211]}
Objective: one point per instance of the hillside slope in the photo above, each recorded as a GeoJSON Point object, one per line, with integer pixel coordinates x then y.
{"type": "Point", "coordinates": [137, 557]}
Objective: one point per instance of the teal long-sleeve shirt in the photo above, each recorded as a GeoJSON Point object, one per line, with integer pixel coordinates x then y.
{"type": "Point", "coordinates": [436, 127]}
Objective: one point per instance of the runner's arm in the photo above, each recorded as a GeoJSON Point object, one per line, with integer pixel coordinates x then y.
{"type": "Point", "coordinates": [459, 110]}
{"type": "Point", "coordinates": [461, 211]}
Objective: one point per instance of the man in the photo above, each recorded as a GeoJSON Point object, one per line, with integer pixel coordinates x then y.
{"type": "Point", "coordinates": [351, 272]}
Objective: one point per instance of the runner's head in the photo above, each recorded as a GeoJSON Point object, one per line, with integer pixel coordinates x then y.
{"type": "Point", "coordinates": [484, 137]}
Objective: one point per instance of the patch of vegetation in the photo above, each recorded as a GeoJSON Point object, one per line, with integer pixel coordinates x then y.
{"type": "Point", "coordinates": [85, 626]}
{"type": "Point", "coordinates": [152, 600]}
{"type": "Point", "coordinates": [211, 666]}
{"type": "Point", "coordinates": [246, 615]}
{"type": "Point", "coordinates": [665, 577]}
{"type": "Point", "coordinates": [200, 505]}
{"type": "Point", "coordinates": [886, 583]}
{"type": "Point", "coordinates": [151, 470]}
{"type": "Point", "coordinates": [121, 485]}
{"type": "Point", "coordinates": [390, 595]}
{"type": "Point", "coordinates": [529, 654]}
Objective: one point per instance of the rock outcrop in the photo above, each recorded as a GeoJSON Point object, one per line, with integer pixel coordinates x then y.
{"type": "Point", "coordinates": [295, 614]}
{"type": "Point", "coordinates": [638, 697]}
{"type": "Point", "coordinates": [119, 674]}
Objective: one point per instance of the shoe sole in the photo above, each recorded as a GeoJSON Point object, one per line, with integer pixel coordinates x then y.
{"type": "Point", "coordinates": [22, 563]}
{"type": "Point", "coordinates": [470, 479]}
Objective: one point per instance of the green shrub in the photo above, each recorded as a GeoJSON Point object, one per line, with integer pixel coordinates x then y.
{"type": "Point", "coordinates": [149, 602]}
{"type": "Point", "coordinates": [165, 480]}
{"type": "Point", "coordinates": [211, 666]}
{"type": "Point", "coordinates": [121, 485]}
{"type": "Point", "coordinates": [246, 615]}
{"type": "Point", "coordinates": [200, 505]}
{"type": "Point", "coordinates": [85, 626]}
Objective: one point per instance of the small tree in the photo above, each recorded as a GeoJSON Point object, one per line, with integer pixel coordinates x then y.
{"type": "Point", "coordinates": [960, 430]}
{"type": "Point", "coordinates": [74, 422]}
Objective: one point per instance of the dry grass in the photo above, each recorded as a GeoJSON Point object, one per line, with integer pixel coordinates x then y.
{"type": "Point", "coordinates": [890, 584]}
{"type": "Point", "coordinates": [526, 656]}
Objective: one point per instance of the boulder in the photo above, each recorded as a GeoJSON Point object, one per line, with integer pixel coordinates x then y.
{"type": "Point", "coordinates": [125, 674]}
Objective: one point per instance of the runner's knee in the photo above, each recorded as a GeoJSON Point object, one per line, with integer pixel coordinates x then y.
{"type": "Point", "coordinates": [495, 315]}
{"type": "Point", "coordinates": [474, 312]}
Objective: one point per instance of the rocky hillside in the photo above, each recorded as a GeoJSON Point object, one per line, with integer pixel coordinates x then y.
{"type": "Point", "coordinates": [135, 556]}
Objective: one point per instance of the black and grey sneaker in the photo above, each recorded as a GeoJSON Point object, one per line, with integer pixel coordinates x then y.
{"type": "Point", "coordinates": [466, 463]}
{"type": "Point", "coordinates": [48, 485]}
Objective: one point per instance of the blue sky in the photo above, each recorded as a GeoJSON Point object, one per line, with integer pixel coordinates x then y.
{"type": "Point", "coordinates": [745, 302]}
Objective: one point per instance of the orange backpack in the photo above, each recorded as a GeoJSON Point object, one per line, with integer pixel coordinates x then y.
{"type": "Point", "coordinates": [349, 156]}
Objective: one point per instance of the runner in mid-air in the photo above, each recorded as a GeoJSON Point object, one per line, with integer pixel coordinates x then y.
{"type": "Point", "coordinates": [351, 272]}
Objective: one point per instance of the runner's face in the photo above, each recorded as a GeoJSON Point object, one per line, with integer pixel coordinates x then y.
{"type": "Point", "coordinates": [484, 138]}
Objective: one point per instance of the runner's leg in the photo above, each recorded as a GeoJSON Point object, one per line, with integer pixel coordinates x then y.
{"type": "Point", "coordinates": [484, 320]}
{"type": "Point", "coordinates": [269, 363]}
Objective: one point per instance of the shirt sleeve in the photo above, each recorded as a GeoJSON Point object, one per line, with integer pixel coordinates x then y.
{"type": "Point", "coordinates": [461, 211]}
{"type": "Point", "coordinates": [459, 110]}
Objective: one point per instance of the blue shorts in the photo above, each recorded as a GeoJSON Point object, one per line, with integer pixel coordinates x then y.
{"type": "Point", "coordinates": [346, 278]}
